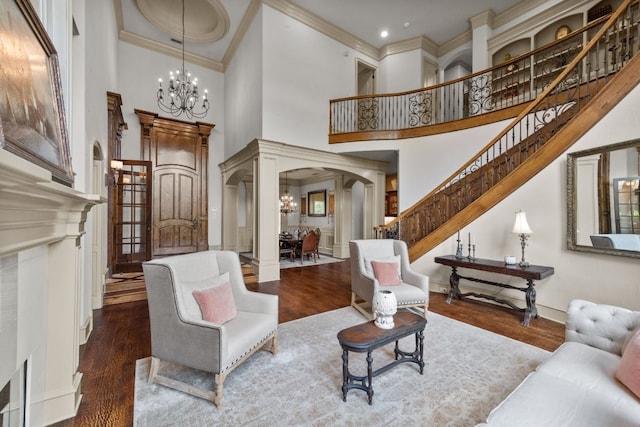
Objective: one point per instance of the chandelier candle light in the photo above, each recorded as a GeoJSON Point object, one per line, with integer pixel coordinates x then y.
{"type": "Point", "coordinates": [182, 91]}
{"type": "Point", "coordinates": [521, 227]}
{"type": "Point", "coordinates": [287, 205]}
{"type": "Point", "coordinates": [385, 306]}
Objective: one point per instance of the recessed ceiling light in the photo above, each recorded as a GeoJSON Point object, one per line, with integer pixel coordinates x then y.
{"type": "Point", "coordinates": [384, 34]}
{"type": "Point", "coordinates": [406, 24]}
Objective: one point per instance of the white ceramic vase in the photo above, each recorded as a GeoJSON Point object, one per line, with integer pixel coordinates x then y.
{"type": "Point", "coordinates": [384, 307]}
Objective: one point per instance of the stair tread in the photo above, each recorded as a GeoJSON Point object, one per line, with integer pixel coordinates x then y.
{"type": "Point", "coordinates": [136, 284]}
{"type": "Point", "coordinates": [120, 299]}
{"type": "Point", "coordinates": [125, 292]}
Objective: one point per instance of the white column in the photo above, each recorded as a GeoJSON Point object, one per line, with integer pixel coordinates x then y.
{"type": "Point", "coordinates": [342, 219]}
{"type": "Point", "coordinates": [267, 216]}
{"type": "Point", "coordinates": [230, 217]}
{"type": "Point", "coordinates": [374, 205]}
{"type": "Point", "coordinates": [62, 379]}
{"type": "Point", "coordinates": [482, 31]}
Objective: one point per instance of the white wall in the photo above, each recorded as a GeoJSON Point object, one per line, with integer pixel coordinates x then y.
{"type": "Point", "coordinates": [318, 221]}
{"type": "Point", "coordinates": [303, 70]}
{"type": "Point", "coordinates": [243, 91]}
{"type": "Point", "coordinates": [600, 278]}
{"type": "Point", "coordinates": [400, 72]}
{"type": "Point", "coordinates": [138, 72]}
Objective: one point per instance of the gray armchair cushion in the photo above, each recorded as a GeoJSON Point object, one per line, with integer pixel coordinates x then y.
{"type": "Point", "coordinates": [194, 342]}
{"type": "Point", "coordinates": [414, 289]}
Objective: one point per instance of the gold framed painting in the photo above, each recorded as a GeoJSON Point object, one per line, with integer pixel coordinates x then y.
{"type": "Point", "coordinates": [32, 122]}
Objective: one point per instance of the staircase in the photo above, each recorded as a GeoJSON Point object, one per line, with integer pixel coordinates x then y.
{"type": "Point", "coordinates": [128, 287]}
{"type": "Point", "coordinates": [590, 85]}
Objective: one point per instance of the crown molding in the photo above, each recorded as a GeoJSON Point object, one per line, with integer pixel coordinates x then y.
{"type": "Point", "coordinates": [240, 32]}
{"type": "Point", "coordinates": [325, 27]}
{"type": "Point", "coordinates": [417, 43]}
{"type": "Point", "coordinates": [525, 28]}
{"type": "Point", "coordinates": [455, 43]}
{"type": "Point", "coordinates": [483, 18]}
{"type": "Point", "coordinates": [429, 45]}
{"type": "Point", "coordinates": [517, 11]}
{"type": "Point", "coordinates": [146, 43]}
{"type": "Point", "coordinates": [117, 5]}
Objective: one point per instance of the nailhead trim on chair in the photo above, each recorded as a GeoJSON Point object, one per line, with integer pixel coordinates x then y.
{"type": "Point", "coordinates": [412, 302]}
{"type": "Point", "coordinates": [251, 350]}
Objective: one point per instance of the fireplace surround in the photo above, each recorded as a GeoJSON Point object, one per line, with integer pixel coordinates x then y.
{"type": "Point", "coordinates": [41, 229]}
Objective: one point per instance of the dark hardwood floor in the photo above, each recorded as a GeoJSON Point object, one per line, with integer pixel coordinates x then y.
{"type": "Point", "coordinates": [121, 335]}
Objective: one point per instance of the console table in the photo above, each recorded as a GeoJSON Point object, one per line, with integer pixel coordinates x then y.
{"type": "Point", "coordinates": [530, 273]}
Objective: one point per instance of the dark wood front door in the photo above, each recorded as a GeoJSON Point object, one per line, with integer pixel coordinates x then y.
{"type": "Point", "coordinates": [178, 151]}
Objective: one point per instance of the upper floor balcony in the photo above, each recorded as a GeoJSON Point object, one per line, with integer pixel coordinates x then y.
{"type": "Point", "coordinates": [500, 92]}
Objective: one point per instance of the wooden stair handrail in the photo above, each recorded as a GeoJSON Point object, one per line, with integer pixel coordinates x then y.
{"type": "Point", "coordinates": [436, 236]}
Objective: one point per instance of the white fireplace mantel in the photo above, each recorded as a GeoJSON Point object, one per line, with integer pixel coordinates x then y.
{"type": "Point", "coordinates": [38, 213]}
{"type": "Point", "coordinates": [35, 210]}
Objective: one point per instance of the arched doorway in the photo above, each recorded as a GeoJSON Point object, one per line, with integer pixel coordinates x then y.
{"type": "Point", "coordinates": [98, 240]}
{"type": "Point", "coordinates": [263, 161]}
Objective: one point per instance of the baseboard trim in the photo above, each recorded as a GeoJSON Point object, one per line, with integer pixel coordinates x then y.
{"type": "Point", "coordinates": [86, 329]}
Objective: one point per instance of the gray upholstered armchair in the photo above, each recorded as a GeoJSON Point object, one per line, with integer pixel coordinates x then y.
{"type": "Point", "coordinates": [178, 333]}
{"type": "Point", "coordinates": [413, 290]}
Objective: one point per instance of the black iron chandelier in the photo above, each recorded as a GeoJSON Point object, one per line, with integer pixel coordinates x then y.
{"type": "Point", "coordinates": [182, 92]}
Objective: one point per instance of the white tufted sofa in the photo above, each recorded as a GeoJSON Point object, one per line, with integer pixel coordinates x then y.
{"type": "Point", "coordinates": [576, 386]}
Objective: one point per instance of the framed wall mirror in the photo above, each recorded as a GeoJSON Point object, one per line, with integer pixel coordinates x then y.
{"type": "Point", "coordinates": [603, 199]}
{"type": "Point", "coordinates": [317, 203]}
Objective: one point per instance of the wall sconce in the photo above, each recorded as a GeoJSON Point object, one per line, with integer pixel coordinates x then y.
{"type": "Point", "coordinates": [332, 206]}
{"type": "Point", "coordinates": [116, 166]}
{"type": "Point", "coordinates": [521, 227]}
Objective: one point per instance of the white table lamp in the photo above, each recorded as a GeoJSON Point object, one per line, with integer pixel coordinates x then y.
{"type": "Point", "coordinates": [521, 227]}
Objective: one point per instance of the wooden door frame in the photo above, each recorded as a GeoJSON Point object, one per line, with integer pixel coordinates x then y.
{"type": "Point", "coordinates": [150, 124]}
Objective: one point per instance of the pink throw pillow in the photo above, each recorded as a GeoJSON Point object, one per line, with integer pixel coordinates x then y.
{"type": "Point", "coordinates": [629, 370]}
{"type": "Point", "coordinates": [386, 273]}
{"type": "Point", "coordinates": [216, 304]}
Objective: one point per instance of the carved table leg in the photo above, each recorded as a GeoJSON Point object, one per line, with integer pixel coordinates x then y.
{"type": "Point", "coordinates": [420, 336]}
{"type": "Point", "coordinates": [345, 374]}
{"type": "Point", "coordinates": [370, 377]}
{"type": "Point", "coordinates": [454, 290]}
{"type": "Point", "coordinates": [531, 310]}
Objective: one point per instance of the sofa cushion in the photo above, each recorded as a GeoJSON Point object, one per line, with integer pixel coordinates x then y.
{"type": "Point", "coordinates": [216, 303]}
{"type": "Point", "coordinates": [386, 273]}
{"type": "Point", "coordinates": [243, 333]}
{"type": "Point", "coordinates": [546, 400]}
{"type": "Point", "coordinates": [583, 365]}
{"type": "Point", "coordinates": [600, 325]}
{"type": "Point", "coordinates": [629, 370]}
{"type": "Point", "coordinates": [188, 308]}
{"type": "Point", "coordinates": [368, 267]}
{"type": "Point", "coordinates": [631, 335]}
{"type": "Point", "coordinates": [409, 294]}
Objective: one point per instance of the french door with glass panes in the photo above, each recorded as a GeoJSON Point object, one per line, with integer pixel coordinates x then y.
{"type": "Point", "coordinates": [627, 204]}
{"type": "Point", "coordinates": [131, 225]}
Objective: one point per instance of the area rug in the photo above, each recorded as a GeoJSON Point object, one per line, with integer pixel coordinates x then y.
{"type": "Point", "coordinates": [468, 371]}
{"type": "Point", "coordinates": [323, 259]}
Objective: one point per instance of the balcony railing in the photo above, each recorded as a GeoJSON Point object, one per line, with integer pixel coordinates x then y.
{"type": "Point", "coordinates": [513, 82]}
{"type": "Point", "coordinates": [611, 46]}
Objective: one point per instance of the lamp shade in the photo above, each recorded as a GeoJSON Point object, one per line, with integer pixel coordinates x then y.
{"type": "Point", "coordinates": [521, 226]}
{"type": "Point", "coordinates": [116, 164]}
